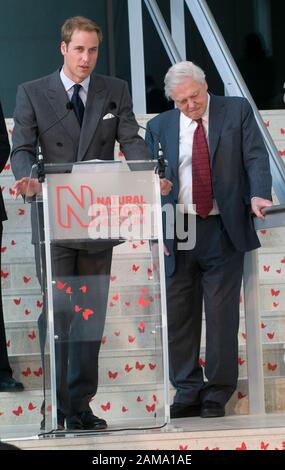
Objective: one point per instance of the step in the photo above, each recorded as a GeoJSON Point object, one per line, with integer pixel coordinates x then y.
{"type": "Point", "coordinates": [271, 238]}
{"type": "Point", "coordinates": [126, 270]}
{"type": "Point", "coordinates": [274, 388]}
{"type": "Point", "coordinates": [271, 266]}
{"type": "Point", "coordinates": [272, 328]}
{"type": "Point", "coordinates": [18, 220]}
{"type": "Point", "coordinates": [132, 402]}
{"type": "Point", "coordinates": [130, 269]}
{"type": "Point", "coordinates": [272, 297]}
{"type": "Point", "coordinates": [18, 277]}
{"type": "Point", "coordinates": [17, 247]}
{"type": "Point", "coordinates": [130, 367]}
{"type": "Point", "coordinates": [28, 370]}
{"type": "Point", "coordinates": [23, 306]}
{"type": "Point", "coordinates": [139, 365]}
{"type": "Point", "coordinates": [23, 301]}
{"type": "Point", "coordinates": [119, 333]}
{"type": "Point", "coordinates": [139, 401]}
{"type": "Point", "coordinates": [7, 183]}
{"type": "Point", "coordinates": [124, 301]}
{"type": "Point", "coordinates": [135, 333]}
{"type": "Point", "coordinates": [228, 433]}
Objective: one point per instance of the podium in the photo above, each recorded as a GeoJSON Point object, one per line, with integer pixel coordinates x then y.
{"type": "Point", "coordinates": [104, 290]}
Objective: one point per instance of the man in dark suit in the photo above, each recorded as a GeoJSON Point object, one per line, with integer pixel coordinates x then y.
{"type": "Point", "coordinates": [7, 382]}
{"type": "Point", "coordinates": [219, 168]}
{"type": "Point", "coordinates": [102, 113]}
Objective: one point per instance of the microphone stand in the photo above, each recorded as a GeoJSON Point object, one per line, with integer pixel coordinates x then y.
{"type": "Point", "coordinates": [40, 158]}
{"type": "Point", "coordinates": [40, 166]}
{"type": "Point", "coordinates": [161, 163]}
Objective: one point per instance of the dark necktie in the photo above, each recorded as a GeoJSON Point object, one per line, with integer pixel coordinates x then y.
{"type": "Point", "coordinates": [201, 173]}
{"type": "Point", "coordinates": [78, 106]}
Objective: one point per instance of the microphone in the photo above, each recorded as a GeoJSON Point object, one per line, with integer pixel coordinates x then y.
{"type": "Point", "coordinates": [161, 162]}
{"type": "Point", "coordinates": [40, 158]}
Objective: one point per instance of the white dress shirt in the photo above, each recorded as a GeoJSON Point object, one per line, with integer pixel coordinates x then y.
{"type": "Point", "coordinates": [69, 84]}
{"type": "Point", "coordinates": [186, 134]}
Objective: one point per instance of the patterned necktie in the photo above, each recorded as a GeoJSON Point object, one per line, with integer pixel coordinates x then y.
{"type": "Point", "coordinates": [78, 106]}
{"type": "Point", "coordinates": [201, 173]}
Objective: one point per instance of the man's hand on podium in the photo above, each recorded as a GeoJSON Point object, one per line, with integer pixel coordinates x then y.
{"type": "Point", "coordinates": [27, 187]}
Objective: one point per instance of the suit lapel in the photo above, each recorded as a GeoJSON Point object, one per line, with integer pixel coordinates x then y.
{"type": "Point", "coordinates": [58, 99]}
{"type": "Point", "coordinates": [216, 120]}
{"type": "Point", "coordinates": [93, 111]}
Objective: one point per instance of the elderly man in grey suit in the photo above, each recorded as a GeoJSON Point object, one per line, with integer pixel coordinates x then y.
{"type": "Point", "coordinates": [82, 134]}
{"type": "Point", "coordinates": [219, 168]}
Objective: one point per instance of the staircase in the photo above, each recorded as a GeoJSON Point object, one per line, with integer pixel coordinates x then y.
{"type": "Point", "coordinates": [131, 366]}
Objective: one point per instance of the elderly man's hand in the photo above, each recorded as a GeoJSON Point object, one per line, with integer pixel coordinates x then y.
{"type": "Point", "coordinates": [165, 186]}
{"type": "Point", "coordinates": [257, 204]}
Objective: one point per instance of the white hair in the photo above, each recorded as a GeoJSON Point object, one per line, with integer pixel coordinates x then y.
{"type": "Point", "coordinates": [178, 73]}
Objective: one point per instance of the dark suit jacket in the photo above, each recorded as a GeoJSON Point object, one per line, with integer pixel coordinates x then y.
{"type": "Point", "coordinates": [239, 163]}
{"type": "Point", "coordinates": [41, 102]}
{"type": "Point", "coordinates": [4, 155]}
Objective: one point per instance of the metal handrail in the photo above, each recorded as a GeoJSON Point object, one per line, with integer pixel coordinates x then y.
{"type": "Point", "coordinates": [275, 217]}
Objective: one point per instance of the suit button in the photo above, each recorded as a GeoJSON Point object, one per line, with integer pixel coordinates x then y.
{"type": "Point", "coordinates": [59, 144]}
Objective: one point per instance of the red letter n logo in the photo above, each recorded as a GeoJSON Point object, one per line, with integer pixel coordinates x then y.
{"type": "Point", "coordinates": [72, 209]}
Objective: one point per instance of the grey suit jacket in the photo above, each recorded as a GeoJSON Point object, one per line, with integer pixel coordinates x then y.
{"type": "Point", "coordinates": [42, 102]}
{"type": "Point", "coordinates": [239, 163]}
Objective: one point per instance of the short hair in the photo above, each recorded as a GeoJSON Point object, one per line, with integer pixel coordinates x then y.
{"type": "Point", "coordinates": [81, 23]}
{"type": "Point", "coordinates": [179, 72]}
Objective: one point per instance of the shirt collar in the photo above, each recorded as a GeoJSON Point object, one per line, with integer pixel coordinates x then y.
{"type": "Point", "coordinates": [186, 121]}
{"type": "Point", "coordinates": [68, 83]}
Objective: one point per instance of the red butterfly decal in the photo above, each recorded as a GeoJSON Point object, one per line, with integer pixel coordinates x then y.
{"type": "Point", "coordinates": [242, 447]}
{"type": "Point", "coordinates": [150, 408]}
{"type": "Point", "coordinates": [31, 407]}
{"type": "Point", "coordinates": [87, 312]}
{"type": "Point", "coordinates": [27, 372]}
{"type": "Point", "coordinates": [18, 411]}
{"type": "Point", "coordinates": [112, 375]}
{"type": "Point", "coordinates": [106, 407]}
{"type": "Point", "coordinates": [141, 327]}
{"type": "Point", "coordinates": [139, 365]}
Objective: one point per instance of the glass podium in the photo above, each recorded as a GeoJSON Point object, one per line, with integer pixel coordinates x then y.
{"type": "Point", "coordinates": [103, 328]}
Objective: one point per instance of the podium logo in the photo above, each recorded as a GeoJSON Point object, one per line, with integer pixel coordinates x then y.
{"type": "Point", "coordinates": [72, 208]}
{"type": "Point", "coordinates": [123, 217]}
